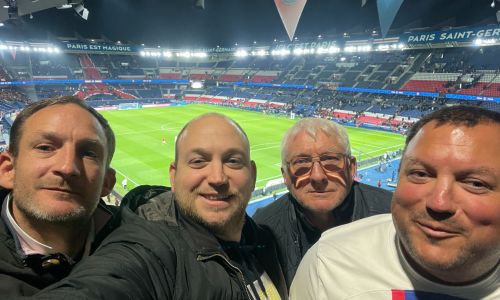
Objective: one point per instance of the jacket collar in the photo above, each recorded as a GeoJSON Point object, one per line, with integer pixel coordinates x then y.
{"type": "Point", "coordinates": [342, 213]}
{"type": "Point", "coordinates": [163, 207]}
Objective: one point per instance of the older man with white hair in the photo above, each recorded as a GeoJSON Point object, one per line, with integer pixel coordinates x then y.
{"type": "Point", "coordinates": [319, 171]}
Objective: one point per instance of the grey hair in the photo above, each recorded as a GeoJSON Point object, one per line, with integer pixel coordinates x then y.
{"type": "Point", "coordinates": [311, 126]}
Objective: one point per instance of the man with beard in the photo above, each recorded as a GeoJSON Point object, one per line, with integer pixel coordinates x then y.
{"type": "Point", "coordinates": [443, 239]}
{"type": "Point", "coordinates": [318, 170]}
{"type": "Point", "coordinates": [53, 174]}
{"type": "Point", "coordinates": [196, 242]}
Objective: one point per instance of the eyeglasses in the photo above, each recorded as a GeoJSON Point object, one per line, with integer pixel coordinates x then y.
{"type": "Point", "coordinates": [330, 162]}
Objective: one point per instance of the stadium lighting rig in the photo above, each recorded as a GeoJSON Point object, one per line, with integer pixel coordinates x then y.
{"type": "Point", "coordinates": [30, 48]}
{"type": "Point", "coordinates": [168, 54]}
{"type": "Point", "coordinates": [241, 53]}
{"type": "Point", "coordinates": [485, 42]}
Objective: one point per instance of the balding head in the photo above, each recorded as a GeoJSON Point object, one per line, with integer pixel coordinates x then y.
{"type": "Point", "coordinates": [213, 177]}
{"type": "Point", "coordinates": [205, 118]}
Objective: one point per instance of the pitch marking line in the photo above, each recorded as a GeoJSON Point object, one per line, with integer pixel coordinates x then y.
{"type": "Point", "coordinates": [128, 178]}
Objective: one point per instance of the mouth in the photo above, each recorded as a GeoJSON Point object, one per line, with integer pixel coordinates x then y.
{"type": "Point", "coordinates": [319, 192]}
{"type": "Point", "coordinates": [60, 190]}
{"type": "Point", "coordinates": [216, 197]}
{"type": "Point", "coordinates": [436, 231]}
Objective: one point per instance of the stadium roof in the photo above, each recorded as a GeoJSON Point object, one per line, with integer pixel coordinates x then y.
{"type": "Point", "coordinates": [181, 23]}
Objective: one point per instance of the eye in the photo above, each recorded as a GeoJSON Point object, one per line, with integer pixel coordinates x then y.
{"type": "Point", "coordinates": [44, 148]}
{"type": "Point", "coordinates": [90, 153]}
{"type": "Point", "coordinates": [418, 175]}
{"type": "Point", "coordinates": [331, 157]}
{"type": "Point", "coordinates": [476, 185]}
{"type": "Point", "coordinates": [301, 160]}
{"type": "Point", "coordinates": [197, 162]}
{"type": "Point", "coordinates": [235, 162]}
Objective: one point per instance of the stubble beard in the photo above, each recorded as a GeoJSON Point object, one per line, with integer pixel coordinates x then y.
{"type": "Point", "coordinates": [186, 204]}
{"type": "Point", "coordinates": [417, 259]}
{"type": "Point", "coordinates": [25, 202]}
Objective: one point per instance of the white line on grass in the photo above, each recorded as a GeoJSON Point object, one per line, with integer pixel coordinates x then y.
{"type": "Point", "coordinates": [264, 144]}
{"type": "Point", "coordinates": [128, 178]}
{"type": "Point", "coordinates": [392, 136]}
{"type": "Point", "coordinates": [381, 149]}
{"type": "Point", "coordinates": [268, 178]}
{"type": "Point", "coordinates": [260, 149]}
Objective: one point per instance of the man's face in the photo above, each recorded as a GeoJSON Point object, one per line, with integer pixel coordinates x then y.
{"type": "Point", "coordinates": [319, 191]}
{"type": "Point", "coordinates": [214, 178]}
{"type": "Point", "coordinates": [446, 207]}
{"type": "Point", "coordinates": [60, 170]}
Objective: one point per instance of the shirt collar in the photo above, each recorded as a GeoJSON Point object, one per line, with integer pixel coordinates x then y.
{"type": "Point", "coordinates": [29, 245]}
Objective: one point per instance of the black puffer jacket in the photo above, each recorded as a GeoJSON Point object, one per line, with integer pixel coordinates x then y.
{"type": "Point", "coordinates": [294, 235]}
{"type": "Point", "coordinates": [18, 279]}
{"type": "Point", "coordinates": [167, 257]}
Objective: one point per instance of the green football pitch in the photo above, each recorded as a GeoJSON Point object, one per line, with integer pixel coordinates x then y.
{"type": "Point", "coordinates": [143, 157]}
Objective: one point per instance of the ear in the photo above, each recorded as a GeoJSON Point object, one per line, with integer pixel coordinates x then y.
{"type": "Point", "coordinates": [109, 182]}
{"type": "Point", "coordinates": [253, 169]}
{"type": "Point", "coordinates": [7, 170]}
{"type": "Point", "coordinates": [286, 178]}
{"type": "Point", "coordinates": [353, 167]}
{"type": "Point", "coordinates": [171, 172]}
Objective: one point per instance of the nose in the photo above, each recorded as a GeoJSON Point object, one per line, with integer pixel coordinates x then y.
{"type": "Point", "coordinates": [440, 200]}
{"type": "Point", "coordinates": [217, 175]}
{"type": "Point", "coordinates": [67, 163]}
{"type": "Point", "coordinates": [317, 172]}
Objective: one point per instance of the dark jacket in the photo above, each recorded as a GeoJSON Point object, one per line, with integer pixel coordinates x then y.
{"type": "Point", "coordinates": [166, 257]}
{"type": "Point", "coordinates": [295, 235]}
{"type": "Point", "coordinates": [17, 276]}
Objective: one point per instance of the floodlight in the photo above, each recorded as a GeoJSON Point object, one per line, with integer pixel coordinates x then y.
{"type": "Point", "coordinates": [200, 54]}
{"type": "Point", "coordinates": [65, 6]}
{"type": "Point", "coordinates": [284, 52]}
{"type": "Point", "coordinates": [298, 51]}
{"type": "Point", "coordinates": [333, 49]}
{"type": "Point", "coordinates": [241, 53]}
{"type": "Point", "coordinates": [350, 49]}
{"type": "Point", "coordinates": [321, 50]}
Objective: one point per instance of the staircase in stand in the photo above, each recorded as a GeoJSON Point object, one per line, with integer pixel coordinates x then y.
{"type": "Point", "coordinates": [90, 72]}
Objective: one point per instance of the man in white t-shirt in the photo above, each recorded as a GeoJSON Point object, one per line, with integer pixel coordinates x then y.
{"type": "Point", "coordinates": [443, 239]}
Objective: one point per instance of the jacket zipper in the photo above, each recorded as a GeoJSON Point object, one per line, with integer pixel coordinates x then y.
{"type": "Point", "coordinates": [240, 274]}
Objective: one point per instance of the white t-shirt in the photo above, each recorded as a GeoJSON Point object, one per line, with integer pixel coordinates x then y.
{"type": "Point", "coordinates": [362, 260]}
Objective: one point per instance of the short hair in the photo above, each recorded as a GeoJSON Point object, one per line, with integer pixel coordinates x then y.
{"type": "Point", "coordinates": [181, 133]}
{"type": "Point", "coordinates": [17, 127]}
{"type": "Point", "coordinates": [312, 126]}
{"type": "Point", "coordinates": [460, 115]}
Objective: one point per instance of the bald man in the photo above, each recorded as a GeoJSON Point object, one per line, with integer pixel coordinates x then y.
{"type": "Point", "coordinates": [197, 242]}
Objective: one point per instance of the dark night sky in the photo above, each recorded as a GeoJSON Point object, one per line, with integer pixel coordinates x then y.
{"type": "Point", "coordinates": [178, 23]}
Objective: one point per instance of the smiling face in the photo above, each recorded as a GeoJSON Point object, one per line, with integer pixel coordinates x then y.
{"type": "Point", "coordinates": [213, 177]}
{"type": "Point", "coordinates": [60, 170]}
{"type": "Point", "coordinates": [446, 207]}
{"type": "Point", "coordinates": [320, 191]}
